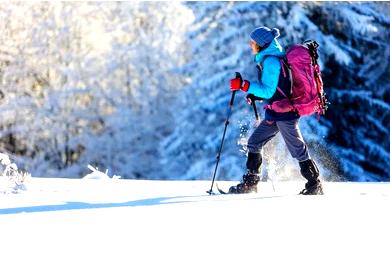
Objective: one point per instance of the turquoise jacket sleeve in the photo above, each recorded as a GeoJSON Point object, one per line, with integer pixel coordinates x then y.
{"type": "Point", "coordinates": [269, 79]}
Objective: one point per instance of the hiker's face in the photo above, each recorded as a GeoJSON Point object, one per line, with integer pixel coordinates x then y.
{"type": "Point", "coordinates": [255, 48]}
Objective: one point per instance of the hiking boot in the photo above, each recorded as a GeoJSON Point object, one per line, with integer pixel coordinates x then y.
{"type": "Point", "coordinates": [309, 171]}
{"type": "Point", "coordinates": [312, 189]}
{"type": "Point", "coordinates": [247, 185]}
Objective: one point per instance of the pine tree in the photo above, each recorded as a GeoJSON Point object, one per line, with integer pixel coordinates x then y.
{"type": "Point", "coordinates": [359, 88]}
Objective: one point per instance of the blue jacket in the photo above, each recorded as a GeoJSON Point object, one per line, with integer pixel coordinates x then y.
{"type": "Point", "coordinates": [270, 68]}
{"type": "Point", "coordinates": [266, 86]}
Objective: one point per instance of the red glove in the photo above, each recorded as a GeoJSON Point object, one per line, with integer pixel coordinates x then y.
{"type": "Point", "coordinates": [245, 86]}
{"type": "Point", "coordinates": [237, 84]}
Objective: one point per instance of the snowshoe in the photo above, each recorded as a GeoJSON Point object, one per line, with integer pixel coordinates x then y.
{"type": "Point", "coordinates": [247, 185]}
{"type": "Point", "coordinates": [314, 189]}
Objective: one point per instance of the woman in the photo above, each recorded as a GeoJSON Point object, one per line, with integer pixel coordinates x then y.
{"type": "Point", "coordinates": [268, 57]}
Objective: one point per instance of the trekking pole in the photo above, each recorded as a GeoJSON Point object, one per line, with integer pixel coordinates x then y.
{"type": "Point", "coordinates": [251, 99]}
{"type": "Point", "coordinates": [272, 182]}
{"type": "Point", "coordinates": [229, 112]}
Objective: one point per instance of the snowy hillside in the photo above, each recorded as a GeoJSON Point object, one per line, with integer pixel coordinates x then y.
{"type": "Point", "coordinates": [114, 219]}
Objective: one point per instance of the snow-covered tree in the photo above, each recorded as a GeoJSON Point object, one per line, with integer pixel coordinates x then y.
{"type": "Point", "coordinates": [140, 84]}
{"type": "Point", "coordinates": [358, 85]}
{"type": "Point", "coordinates": [89, 83]}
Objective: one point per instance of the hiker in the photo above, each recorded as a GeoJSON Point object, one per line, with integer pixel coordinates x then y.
{"type": "Point", "coordinates": [272, 85]}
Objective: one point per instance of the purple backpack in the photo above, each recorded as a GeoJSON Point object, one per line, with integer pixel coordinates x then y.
{"type": "Point", "coordinates": [308, 96]}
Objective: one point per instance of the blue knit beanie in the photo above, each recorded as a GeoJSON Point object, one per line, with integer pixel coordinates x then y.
{"type": "Point", "coordinates": [263, 35]}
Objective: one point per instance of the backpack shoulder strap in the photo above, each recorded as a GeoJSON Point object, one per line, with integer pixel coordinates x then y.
{"type": "Point", "coordinates": [283, 64]}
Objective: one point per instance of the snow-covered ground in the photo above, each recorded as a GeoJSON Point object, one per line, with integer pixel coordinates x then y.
{"type": "Point", "coordinates": [114, 219]}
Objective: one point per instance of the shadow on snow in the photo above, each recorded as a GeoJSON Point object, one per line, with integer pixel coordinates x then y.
{"type": "Point", "coordinates": [134, 203]}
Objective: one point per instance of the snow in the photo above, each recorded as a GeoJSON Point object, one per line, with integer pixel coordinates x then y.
{"type": "Point", "coordinates": [115, 219]}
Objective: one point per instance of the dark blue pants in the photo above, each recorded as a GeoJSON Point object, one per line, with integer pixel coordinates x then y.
{"type": "Point", "coordinates": [290, 133]}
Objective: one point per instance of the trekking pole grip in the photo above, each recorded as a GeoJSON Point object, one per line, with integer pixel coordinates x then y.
{"type": "Point", "coordinates": [238, 76]}
{"type": "Point", "coordinates": [251, 99]}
